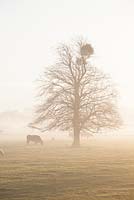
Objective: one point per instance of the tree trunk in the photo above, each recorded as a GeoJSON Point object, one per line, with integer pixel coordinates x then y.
{"type": "Point", "coordinates": [76, 138]}
{"type": "Point", "coordinates": [76, 120]}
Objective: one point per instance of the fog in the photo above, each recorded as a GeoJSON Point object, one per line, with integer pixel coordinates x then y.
{"type": "Point", "coordinates": [30, 32]}
{"type": "Point", "coordinates": [74, 138]}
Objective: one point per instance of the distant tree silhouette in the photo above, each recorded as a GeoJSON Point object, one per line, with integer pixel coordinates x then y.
{"type": "Point", "coordinates": [76, 96]}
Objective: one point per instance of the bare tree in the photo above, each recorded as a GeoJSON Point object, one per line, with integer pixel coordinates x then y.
{"type": "Point", "coordinates": [76, 96]}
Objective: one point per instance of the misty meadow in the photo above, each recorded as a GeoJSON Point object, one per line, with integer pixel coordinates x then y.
{"type": "Point", "coordinates": [66, 109]}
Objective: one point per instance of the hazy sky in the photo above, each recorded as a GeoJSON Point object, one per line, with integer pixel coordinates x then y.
{"type": "Point", "coordinates": [31, 29]}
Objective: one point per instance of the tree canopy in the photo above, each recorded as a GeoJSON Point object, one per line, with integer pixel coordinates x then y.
{"type": "Point", "coordinates": [76, 96]}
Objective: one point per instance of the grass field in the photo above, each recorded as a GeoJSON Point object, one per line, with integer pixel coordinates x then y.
{"type": "Point", "coordinates": [102, 169]}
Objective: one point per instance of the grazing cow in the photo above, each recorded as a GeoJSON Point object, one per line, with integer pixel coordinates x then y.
{"type": "Point", "coordinates": [34, 138]}
{"type": "Point", "coordinates": [1, 153]}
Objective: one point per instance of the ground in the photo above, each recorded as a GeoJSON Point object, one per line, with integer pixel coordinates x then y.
{"type": "Point", "coordinates": [102, 169]}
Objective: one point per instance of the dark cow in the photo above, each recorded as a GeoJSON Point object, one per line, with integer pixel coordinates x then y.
{"type": "Point", "coordinates": [34, 138]}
